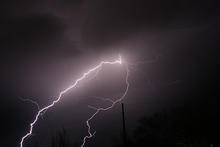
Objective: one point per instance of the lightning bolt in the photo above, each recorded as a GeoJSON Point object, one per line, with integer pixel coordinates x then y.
{"type": "Point", "coordinates": [44, 109]}
{"type": "Point", "coordinates": [97, 110]}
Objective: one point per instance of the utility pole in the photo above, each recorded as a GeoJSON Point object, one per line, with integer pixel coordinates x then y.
{"type": "Point", "coordinates": [123, 123]}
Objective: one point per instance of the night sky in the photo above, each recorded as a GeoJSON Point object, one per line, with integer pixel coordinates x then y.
{"type": "Point", "coordinates": [170, 47]}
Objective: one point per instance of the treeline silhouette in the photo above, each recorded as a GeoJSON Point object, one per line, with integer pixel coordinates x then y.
{"type": "Point", "coordinates": [179, 128]}
{"type": "Point", "coordinates": [60, 139]}
{"type": "Point", "coordinates": [185, 126]}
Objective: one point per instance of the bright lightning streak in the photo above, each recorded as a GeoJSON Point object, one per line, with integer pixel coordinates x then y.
{"type": "Point", "coordinates": [104, 109]}
{"type": "Point", "coordinates": [41, 111]}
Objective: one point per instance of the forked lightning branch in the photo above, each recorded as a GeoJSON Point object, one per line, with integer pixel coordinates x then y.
{"type": "Point", "coordinates": [62, 93]}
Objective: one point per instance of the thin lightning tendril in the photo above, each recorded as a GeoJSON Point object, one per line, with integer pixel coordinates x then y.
{"type": "Point", "coordinates": [90, 134]}
{"type": "Point", "coordinates": [31, 101]}
{"type": "Point", "coordinates": [44, 109]}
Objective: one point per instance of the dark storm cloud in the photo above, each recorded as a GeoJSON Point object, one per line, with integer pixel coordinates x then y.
{"type": "Point", "coordinates": [110, 22]}
{"type": "Point", "coordinates": [24, 34]}
{"type": "Point", "coordinates": [33, 27]}
{"type": "Point", "coordinates": [25, 39]}
{"type": "Point", "coordinates": [29, 33]}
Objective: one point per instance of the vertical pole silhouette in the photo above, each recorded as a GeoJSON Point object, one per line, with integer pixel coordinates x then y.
{"type": "Point", "coordinates": [124, 128]}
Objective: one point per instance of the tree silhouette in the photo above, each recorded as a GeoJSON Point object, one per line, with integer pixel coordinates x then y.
{"type": "Point", "coordinates": [180, 127]}
{"type": "Point", "coordinates": [60, 139]}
